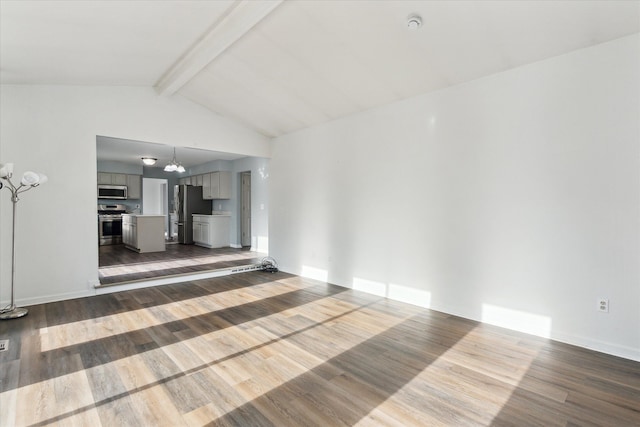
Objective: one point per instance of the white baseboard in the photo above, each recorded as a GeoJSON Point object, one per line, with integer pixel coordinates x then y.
{"type": "Point", "coordinates": [466, 313]}
{"type": "Point", "coordinates": [559, 336]}
{"type": "Point", "coordinates": [596, 345]}
{"type": "Point", "coordinates": [51, 298]}
{"type": "Point", "coordinates": [235, 246]}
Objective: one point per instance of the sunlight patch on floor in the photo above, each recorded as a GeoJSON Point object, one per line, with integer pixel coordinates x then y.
{"type": "Point", "coordinates": [234, 359]}
{"type": "Point", "coordinates": [461, 378]}
{"type": "Point", "coordinates": [82, 331]}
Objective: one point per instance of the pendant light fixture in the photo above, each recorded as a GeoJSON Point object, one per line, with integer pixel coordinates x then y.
{"type": "Point", "coordinates": [174, 166]}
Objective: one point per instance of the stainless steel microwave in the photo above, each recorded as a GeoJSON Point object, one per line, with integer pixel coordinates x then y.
{"type": "Point", "coordinates": [117, 192]}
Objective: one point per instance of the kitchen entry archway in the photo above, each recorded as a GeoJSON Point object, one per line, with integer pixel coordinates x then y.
{"type": "Point", "coordinates": [118, 265]}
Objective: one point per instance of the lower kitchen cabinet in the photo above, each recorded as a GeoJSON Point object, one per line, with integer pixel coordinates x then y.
{"type": "Point", "coordinates": [211, 231]}
{"type": "Point", "coordinates": [129, 232]}
{"type": "Point", "coordinates": [143, 233]}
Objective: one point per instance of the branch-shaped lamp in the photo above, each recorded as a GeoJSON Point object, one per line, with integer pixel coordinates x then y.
{"type": "Point", "coordinates": [29, 180]}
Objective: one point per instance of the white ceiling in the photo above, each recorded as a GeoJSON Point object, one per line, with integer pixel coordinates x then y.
{"type": "Point", "coordinates": [281, 66]}
{"type": "Point", "coordinates": [98, 42]}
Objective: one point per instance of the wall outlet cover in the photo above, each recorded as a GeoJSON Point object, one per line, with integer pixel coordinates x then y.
{"type": "Point", "coordinates": [603, 305]}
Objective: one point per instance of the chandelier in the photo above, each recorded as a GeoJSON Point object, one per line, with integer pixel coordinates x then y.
{"type": "Point", "coordinates": [174, 166]}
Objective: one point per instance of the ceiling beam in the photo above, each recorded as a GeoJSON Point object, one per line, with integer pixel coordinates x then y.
{"type": "Point", "coordinates": [241, 17]}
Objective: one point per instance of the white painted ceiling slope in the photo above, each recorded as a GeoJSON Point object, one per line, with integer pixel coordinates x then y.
{"type": "Point", "coordinates": [278, 66]}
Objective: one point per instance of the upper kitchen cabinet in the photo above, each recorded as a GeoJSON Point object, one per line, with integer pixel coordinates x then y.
{"type": "Point", "coordinates": [134, 187]}
{"type": "Point", "coordinates": [224, 186]}
{"type": "Point", "coordinates": [112, 178]}
{"type": "Point", "coordinates": [132, 182]}
{"type": "Point", "coordinates": [216, 185]}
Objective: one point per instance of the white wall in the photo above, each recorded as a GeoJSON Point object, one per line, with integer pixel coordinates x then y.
{"type": "Point", "coordinates": [259, 168]}
{"type": "Point", "coordinates": [110, 166]}
{"type": "Point", "coordinates": [52, 129]}
{"type": "Point", "coordinates": [155, 196]}
{"type": "Point", "coordinates": [513, 199]}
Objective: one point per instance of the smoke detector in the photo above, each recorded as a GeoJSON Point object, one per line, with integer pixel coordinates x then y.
{"type": "Point", "coordinates": [414, 22]}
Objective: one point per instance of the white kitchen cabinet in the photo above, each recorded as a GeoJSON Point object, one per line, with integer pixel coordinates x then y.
{"type": "Point", "coordinates": [216, 185]}
{"type": "Point", "coordinates": [143, 233]}
{"type": "Point", "coordinates": [225, 185]}
{"type": "Point", "coordinates": [201, 231]}
{"type": "Point", "coordinates": [134, 187]}
{"type": "Point", "coordinates": [211, 231]}
{"type": "Point", "coordinates": [104, 178]}
{"type": "Point", "coordinates": [118, 179]}
{"type": "Point", "coordinates": [182, 181]}
{"type": "Point", "coordinates": [127, 230]}
{"type": "Point", "coordinates": [199, 179]}
{"type": "Point", "coordinates": [112, 178]}
{"type": "Point", "coordinates": [206, 187]}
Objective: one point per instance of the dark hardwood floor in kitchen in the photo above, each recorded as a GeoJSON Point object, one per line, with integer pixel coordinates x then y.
{"type": "Point", "coordinates": [261, 349]}
{"type": "Point", "coordinates": [118, 264]}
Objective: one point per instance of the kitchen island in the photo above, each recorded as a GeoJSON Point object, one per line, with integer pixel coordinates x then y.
{"type": "Point", "coordinates": [143, 233]}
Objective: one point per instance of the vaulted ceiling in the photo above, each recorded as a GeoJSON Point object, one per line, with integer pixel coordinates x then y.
{"type": "Point", "coordinates": [278, 66]}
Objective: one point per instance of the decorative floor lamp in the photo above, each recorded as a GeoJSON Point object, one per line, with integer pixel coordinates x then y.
{"type": "Point", "coordinates": [29, 180]}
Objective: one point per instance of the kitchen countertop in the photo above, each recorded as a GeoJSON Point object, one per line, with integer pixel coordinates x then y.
{"type": "Point", "coordinates": [145, 216]}
{"type": "Point", "coordinates": [213, 215]}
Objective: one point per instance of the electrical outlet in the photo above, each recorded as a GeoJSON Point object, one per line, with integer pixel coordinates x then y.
{"type": "Point", "coordinates": [4, 345]}
{"type": "Point", "coordinates": [603, 305]}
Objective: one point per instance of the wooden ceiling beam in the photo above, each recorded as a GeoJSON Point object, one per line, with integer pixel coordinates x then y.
{"type": "Point", "coordinates": [240, 18]}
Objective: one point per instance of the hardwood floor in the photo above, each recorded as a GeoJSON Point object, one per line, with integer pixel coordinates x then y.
{"type": "Point", "coordinates": [118, 264]}
{"type": "Point", "coordinates": [260, 349]}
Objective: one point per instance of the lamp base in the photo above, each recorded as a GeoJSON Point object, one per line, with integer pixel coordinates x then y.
{"type": "Point", "coordinates": [14, 314]}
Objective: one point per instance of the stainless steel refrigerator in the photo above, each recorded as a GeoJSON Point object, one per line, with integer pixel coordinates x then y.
{"type": "Point", "coordinates": [188, 201]}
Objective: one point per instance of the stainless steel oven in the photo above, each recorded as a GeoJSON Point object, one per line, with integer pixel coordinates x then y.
{"type": "Point", "coordinates": [110, 224]}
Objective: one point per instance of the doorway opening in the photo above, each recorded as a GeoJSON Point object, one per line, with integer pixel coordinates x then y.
{"type": "Point", "coordinates": [245, 209]}
{"type": "Point", "coordinates": [155, 199]}
{"type": "Point", "coordinates": [119, 265]}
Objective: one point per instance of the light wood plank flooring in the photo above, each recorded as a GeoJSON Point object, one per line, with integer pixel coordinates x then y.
{"type": "Point", "coordinates": [260, 349]}
{"type": "Point", "coordinates": [118, 264]}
